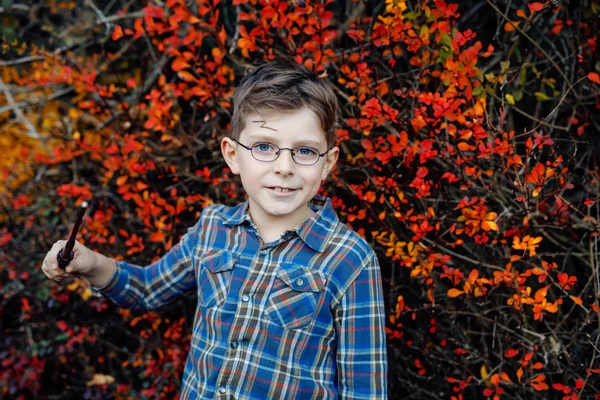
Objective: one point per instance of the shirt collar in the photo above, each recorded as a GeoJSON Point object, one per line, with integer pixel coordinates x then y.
{"type": "Point", "coordinates": [316, 231]}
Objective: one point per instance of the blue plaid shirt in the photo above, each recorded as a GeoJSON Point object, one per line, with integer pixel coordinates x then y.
{"type": "Point", "coordinates": [298, 318]}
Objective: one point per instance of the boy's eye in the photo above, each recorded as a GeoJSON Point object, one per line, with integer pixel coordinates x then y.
{"type": "Point", "coordinates": [264, 147]}
{"type": "Point", "coordinates": [305, 151]}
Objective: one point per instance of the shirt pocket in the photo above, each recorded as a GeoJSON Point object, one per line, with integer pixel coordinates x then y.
{"type": "Point", "coordinates": [215, 275]}
{"type": "Point", "coordinates": [294, 296]}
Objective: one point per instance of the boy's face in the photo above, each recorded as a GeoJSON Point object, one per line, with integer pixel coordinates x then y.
{"type": "Point", "coordinates": [264, 181]}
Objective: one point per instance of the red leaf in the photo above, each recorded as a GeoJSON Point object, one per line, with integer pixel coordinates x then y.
{"type": "Point", "coordinates": [62, 325]}
{"type": "Point", "coordinates": [117, 33]}
{"type": "Point", "coordinates": [533, 7]}
{"type": "Point", "coordinates": [594, 77]}
{"type": "Point", "coordinates": [511, 353]}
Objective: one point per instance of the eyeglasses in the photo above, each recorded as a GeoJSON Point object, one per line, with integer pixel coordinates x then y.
{"type": "Point", "coordinates": [267, 152]}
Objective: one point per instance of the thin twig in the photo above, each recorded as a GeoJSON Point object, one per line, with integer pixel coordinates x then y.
{"type": "Point", "coordinates": [31, 131]}
{"type": "Point", "coordinates": [536, 44]}
{"type": "Point", "coordinates": [542, 121]}
{"type": "Point", "coordinates": [21, 104]}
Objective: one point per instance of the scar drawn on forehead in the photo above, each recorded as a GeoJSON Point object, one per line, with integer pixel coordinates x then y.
{"type": "Point", "coordinates": [264, 125]}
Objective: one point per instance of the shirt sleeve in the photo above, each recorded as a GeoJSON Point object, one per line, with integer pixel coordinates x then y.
{"type": "Point", "coordinates": [360, 325]}
{"type": "Point", "coordinates": [148, 288]}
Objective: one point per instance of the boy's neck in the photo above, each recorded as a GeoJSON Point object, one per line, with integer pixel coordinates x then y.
{"type": "Point", "coordinates": [271, 228]}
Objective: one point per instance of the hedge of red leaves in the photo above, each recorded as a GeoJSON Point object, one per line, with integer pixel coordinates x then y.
{"type": "Point", "coordinates": [469, 143]}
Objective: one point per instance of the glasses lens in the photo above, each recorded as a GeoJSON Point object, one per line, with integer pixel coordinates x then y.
{"type": "Point", "coordinates": [306, 155]}
{"type": "Point", "coordinates": [264, 151]}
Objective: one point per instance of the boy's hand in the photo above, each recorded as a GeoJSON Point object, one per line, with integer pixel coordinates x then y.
{"type": "Point", "coordinates": [83, 264]}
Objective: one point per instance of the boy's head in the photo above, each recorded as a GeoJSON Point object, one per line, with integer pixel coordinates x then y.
{"type": "Point", "coordinates": [284, 88]}
{"type": "Point", "coordinates": [282, 141]}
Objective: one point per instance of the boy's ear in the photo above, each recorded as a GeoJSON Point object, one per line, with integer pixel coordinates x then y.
{"type": "Point", "coordinates": [330, 160]}
{"type": "Point", "coordinates": [230, 154]}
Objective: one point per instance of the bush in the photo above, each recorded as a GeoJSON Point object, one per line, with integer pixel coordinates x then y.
{"type": "Point", "coordinates": [468, 162]}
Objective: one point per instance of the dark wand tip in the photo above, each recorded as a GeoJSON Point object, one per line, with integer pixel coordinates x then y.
{"type": "Point", "coordinates": [66, 254]}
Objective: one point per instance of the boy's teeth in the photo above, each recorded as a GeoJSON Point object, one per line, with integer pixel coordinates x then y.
{"type": "Point", "coordinates": [282, 189]}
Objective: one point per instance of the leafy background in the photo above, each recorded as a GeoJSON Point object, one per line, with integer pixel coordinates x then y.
{"type": "Point", "coordinates": [469, 142]}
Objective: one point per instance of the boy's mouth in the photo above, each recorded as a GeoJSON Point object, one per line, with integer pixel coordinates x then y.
{"type": "Point", "coordinates": [282, 189]}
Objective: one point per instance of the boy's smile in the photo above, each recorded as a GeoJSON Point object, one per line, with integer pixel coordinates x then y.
{"type": "Point", "coordinates": [279, 190]}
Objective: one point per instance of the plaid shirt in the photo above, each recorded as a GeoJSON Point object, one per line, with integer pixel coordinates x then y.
{"type": "Point", "coordinates": [299, 318]}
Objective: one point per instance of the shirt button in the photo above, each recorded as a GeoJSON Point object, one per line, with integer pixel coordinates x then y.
{"type": "Point", "coordinates": [245, 298]}
{"type": "Point", "coordinates": [222, 390]}
{"type": "Point", "coordinates": [234, 345]}
{"type": "Point", "coordinates": [299, 282]}
{"type": "Point", "coordinates": [263, 252]}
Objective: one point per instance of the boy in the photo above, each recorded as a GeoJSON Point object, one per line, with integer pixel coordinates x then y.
{"type": "Point", "coordinates": [290, 304]}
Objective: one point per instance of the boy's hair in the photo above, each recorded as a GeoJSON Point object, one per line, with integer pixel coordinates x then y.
{"type": "Point", "coordinates": [281, 87]}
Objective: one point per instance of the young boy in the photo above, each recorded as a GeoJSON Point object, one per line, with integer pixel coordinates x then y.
{"type": "Point", "coordinates": [290, 303]}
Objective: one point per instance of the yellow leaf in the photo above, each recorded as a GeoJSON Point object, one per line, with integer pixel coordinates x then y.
{"type": "Point", "coordinates": [99, 379]}
{"type": "Point", "coordinates": [489, 225]}
{"type": "Point", "coordinates": [484, 372]}
{"type": "Point", "coordinates": [86, 294]}
{"type": "Point", "coordinates": [510, 99]}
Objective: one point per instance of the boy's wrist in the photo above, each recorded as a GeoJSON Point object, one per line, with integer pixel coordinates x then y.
{"type": "Point", "coordinates": [104, 268]}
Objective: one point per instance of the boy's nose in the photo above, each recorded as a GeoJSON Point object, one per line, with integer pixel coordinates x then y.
{"type": "Point", "coordinates": [284, 164]}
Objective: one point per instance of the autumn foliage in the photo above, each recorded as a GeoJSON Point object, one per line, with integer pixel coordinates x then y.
{"type": "Point", "coordinates": [469, 161]}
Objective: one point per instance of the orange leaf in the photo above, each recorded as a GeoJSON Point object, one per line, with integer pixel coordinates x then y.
{"type": "Point", "coordinates": [594, 77]}
{"type": "Point", "coordinates": [576, 300]}
{"type": "Point", "coordinates": [537, 365]}
{"type": "Point", "coordinates": [121, 180]}
{"type": "Point", "coordinates": [186, 76]}
{"type": "Point", "coordinates": [508, 27]}
{"type": "Point", "coordinates": [464, 146]}
{"type": "Point", "coordinates": [519, 374]}
{"type": "Point", "coordinates": [454, 292]}
{"type": "Point", "coordinates": [179, 64]}
{"type": "Point", "coordinates": [504, 377]}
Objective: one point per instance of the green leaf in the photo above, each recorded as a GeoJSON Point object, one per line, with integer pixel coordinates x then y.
{"type": "Point", "coordinates": [541, 96]}
{"type": "Point", "coordinates": [412, 15]}
{"type": "Point", "coordinates": [518, 95]}
{"type": "Point", "coordinates": [522, 76]}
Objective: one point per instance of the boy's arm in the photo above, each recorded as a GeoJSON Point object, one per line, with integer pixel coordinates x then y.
{"type": "Point", "coordinates": [360, 326]}
{"type": "Point", "coordinates": [147, 288]}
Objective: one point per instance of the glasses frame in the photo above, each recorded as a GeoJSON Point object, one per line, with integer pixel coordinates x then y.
{"type": "Point", "coordinates": [278, 152]}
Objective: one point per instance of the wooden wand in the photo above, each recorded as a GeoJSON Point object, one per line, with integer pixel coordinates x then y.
{"type": "Point", "coordinates": [66, 254]}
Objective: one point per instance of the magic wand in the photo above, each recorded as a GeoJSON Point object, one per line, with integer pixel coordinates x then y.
{"type": "Point", "coordinates": [66, 254]}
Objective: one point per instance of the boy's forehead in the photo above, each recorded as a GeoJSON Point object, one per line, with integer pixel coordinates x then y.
{"type": "Point", "coordinates": [299, 126]}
